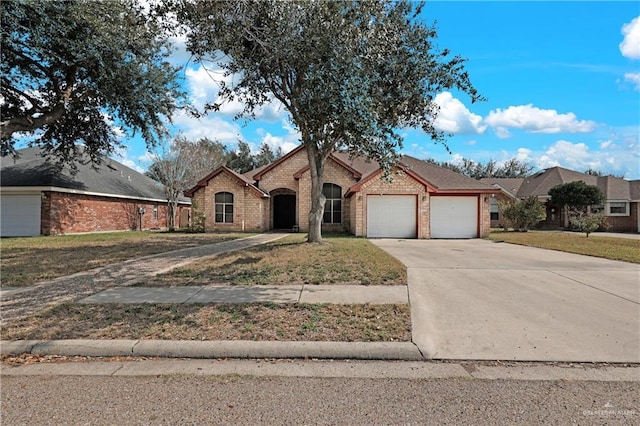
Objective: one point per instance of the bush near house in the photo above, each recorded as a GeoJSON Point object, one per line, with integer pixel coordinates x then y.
{"type": "Point", "coordinates": [523, 214]}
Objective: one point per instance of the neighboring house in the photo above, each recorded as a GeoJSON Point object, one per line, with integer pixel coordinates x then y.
{"type": "Point", "coordinates": [37, 199]}
{"type": "Point", "coordinates": [622, 197]}
{"type": "Point", "coordinates": [422, 201]}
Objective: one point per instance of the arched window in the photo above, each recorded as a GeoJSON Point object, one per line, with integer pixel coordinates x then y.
{"type": "Point", "coordinates": [333, 204]}
{"type": "Point", "coordinates": [224, 207]}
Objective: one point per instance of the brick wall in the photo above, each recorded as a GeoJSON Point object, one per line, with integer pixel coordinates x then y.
{"type": "Point", "coordinates": [333, 173]}
{"type": "Point", "coordinates": [66, 213]}
{"type": "Point", "coordinates": [249, 208]}
{"type": "Point", "coordinates": [624, 223]}
{"type": "Point", "coordinates": [402, 184]}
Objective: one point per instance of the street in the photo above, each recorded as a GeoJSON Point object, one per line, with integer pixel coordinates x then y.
{"type": "Point", "coordinates": [248, 399]}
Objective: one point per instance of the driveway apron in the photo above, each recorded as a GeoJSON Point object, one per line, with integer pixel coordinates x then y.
{"type": "Point", "coordinates": [480, 300]}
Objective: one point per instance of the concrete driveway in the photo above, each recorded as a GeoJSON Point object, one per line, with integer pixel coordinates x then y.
{"type": "Point", "coordinates": [476, 299]}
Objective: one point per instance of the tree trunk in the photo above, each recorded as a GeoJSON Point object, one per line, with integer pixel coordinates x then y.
{"type": "Point", "coordinates": [171, 215]}
{"type": "Point", "coordinates": [316, 168]}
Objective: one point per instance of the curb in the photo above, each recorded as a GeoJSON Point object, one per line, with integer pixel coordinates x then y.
{"type": "Point", "coordinates": [241, 349]}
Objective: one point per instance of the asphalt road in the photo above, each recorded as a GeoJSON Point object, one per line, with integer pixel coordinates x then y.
{"type": "Point", "coordinates": [237, 400]}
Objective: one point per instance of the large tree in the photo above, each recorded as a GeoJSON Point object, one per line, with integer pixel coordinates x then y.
{"type": "Point", "coordinates": [72, 70]}
{"type": "Point", "coordinates": [575, 198]}
{"type": "Point", "coordinates": [180, 165]}
{"type": "Point", "coordinates": [350, 74]}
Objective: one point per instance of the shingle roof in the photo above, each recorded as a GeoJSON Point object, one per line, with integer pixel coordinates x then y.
{"type": "Point", "coordinates": [508, 185]}
{"type": "Point", "coordinates": [443, 179]}
{"type": "Point", "coordinates": [539, 184]}
{"type": "Point", "coordinates": [109, 178]}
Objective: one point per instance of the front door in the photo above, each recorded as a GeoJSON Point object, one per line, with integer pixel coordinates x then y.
{"type": "Point", "coordinates": [284, 211]}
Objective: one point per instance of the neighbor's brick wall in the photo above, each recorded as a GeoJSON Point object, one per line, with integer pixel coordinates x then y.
{"type": "Point", "coordinates": [65, 213]}
{"type": "Point", "coordinates": [485, 215]}
{"type": "Point", "coordinates": [501, 197]}
{"type": "Point", "coordinates": [624, 223]}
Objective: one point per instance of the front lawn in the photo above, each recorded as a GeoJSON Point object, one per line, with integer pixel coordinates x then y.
{"type": "Point", "coordinates": [340, 260]}
{"type": "Point", "coordinates": [257, 321]}
{"type": "Point", "coordinates": [627, 250]}
{"type": "Point", "coordinates": [25, 261]}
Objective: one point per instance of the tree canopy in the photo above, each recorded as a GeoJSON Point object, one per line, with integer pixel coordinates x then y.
{"type": "Point", "coordinates": [512, 168]}
{"type": "Point", "coordinates": [73, 70]}
{"type": "Point", "coordinates": [577, 195]}
{"type": "Point", "coordinates": [350, 74]}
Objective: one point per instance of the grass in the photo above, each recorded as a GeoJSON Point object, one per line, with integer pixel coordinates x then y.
{"type": "Point", "coordinates": [340, 260]}
{"type": "Point", "coordinates": [264, 322]}
{"type": "Point", "coordinates": [25, 261]}
{"type": "Point", "coordinates": [627, 250]}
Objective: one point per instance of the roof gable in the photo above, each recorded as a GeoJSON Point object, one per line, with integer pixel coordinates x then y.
{"type": "Point", "coordinates": [242, 180]}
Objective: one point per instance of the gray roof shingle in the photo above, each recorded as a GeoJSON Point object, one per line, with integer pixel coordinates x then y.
{"type": "Point", "coordinates": [109, 178]}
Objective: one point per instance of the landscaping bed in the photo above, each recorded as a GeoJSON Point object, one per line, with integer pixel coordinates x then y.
{"type": "Point", "coordinates": [340, 260]}
{"type": "Point", "coordinates": [256, 321]}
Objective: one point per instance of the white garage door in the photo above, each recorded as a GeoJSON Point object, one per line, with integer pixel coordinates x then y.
{"type": "Point", "coordinates": [454, 217]}
{"type": "Point", "coordinates": [391, 216]}
{"type": "Point", "coordinates": [19, 215]}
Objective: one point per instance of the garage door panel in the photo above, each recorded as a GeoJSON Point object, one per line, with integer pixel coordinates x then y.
{"type": "Point", "coordinates": [19, 215]}
{"type": "Point", "coordinates": [391, 216]}
{"type": "Point", "coordinates": [454, 217]}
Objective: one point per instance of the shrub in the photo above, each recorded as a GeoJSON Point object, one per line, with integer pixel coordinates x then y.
{"type": "Point", "coordinates": [523, 214]}
{"type": "Point", "coordinates": [586, 222]}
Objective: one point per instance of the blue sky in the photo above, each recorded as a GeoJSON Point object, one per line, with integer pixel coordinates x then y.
{"type": "Point", "coordinates": [562, 82]}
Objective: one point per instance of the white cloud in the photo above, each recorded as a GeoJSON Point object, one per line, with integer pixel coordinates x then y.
{"type": "Point", "coordinates": [204, 85]}
{"type": "Point", "coordinates": [630, 45]}
{"type": "Point", "coordinates": [566, 154]}
{"type": "Point", "coordinates": [455, 118]}
{"type": "Point", "coordinates": [212, 127]}
{"type": "Point", "coordinates": [633, 78]}
{"type": "Point", "coordinates": [523, 155]}
{"type": "Point", "coordinates": [287, 142]}
{"type": "Point", "coordinates": [536, 120]}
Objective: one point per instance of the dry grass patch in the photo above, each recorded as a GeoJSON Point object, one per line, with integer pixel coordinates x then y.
{"type": "Point", "coordinates": [267, 321]}
{"type": "Point", "coordinates": [624, 249]}
{"type": "Point", "coordinates": [25, 261]}
{"type": "Point", "coordinates": [340, 260]}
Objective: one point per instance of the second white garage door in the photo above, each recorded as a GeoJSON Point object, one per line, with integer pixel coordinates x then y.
{"type": "Point", "coordinates": [454, 217]}
{"type": "Point", "coordinates": [391, 216]}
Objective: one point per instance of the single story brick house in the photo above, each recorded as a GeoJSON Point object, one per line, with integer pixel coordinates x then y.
{"type": "Point", "coordinates": [622, 197]}
{"type": "Point", "coordinates": [38, 199]}
{"type": "Point", "coordinates": [422, 200]}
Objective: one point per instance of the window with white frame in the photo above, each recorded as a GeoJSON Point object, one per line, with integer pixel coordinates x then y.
{"type": "Point", "coordinates": [495, 209]}
{"type": "Point", "coordinates": [618, 208]}
{"type": "Point", "coordinates": [333, 203]}
{"type": "Point", "coordinates": [224, 207]}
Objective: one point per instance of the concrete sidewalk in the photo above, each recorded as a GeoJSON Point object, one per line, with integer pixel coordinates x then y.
{"type": "Point", "coordinates": [337, 294]}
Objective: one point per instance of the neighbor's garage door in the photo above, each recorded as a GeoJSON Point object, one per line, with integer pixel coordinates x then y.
{"type": "Point", "coordinates": [454, 217]}
{"type": "Point", "coordinates": [19, 215]}
{"type": "Point", "coordinates": [391, 216]}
